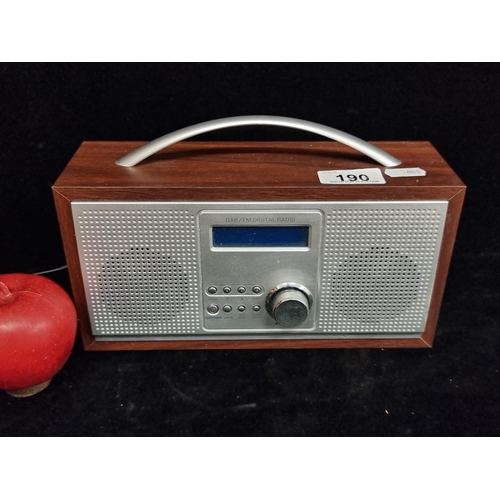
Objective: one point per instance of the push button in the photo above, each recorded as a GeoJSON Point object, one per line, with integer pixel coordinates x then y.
{"type": "Point", "coordinates": [227, 308]}
{"type": "Point", "coordinates": [212, 289]}
{"type": "Point", "coordinates": [213, 309]}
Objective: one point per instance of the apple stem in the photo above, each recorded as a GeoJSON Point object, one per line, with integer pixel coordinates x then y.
{"type": "Point", "coordinates": [5, 294]}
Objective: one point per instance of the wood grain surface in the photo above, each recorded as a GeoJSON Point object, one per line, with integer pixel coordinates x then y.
{"type": "Point", "coordinates": [257, 171]}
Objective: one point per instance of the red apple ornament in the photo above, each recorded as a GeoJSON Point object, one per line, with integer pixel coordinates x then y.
{"type": "Point", "coordinates": [38, 325]}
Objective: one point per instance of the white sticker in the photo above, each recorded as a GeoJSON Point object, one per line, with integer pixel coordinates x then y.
{"type": "Point", "coordinates": [405, 172]}
{"type": "Point", "coordinates": [357, 176]}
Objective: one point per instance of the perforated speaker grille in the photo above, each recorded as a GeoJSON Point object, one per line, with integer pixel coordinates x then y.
{"type": "Point", "coordinates": [140, 269]}
{"type": "Point", "coordinates": [379, 267]}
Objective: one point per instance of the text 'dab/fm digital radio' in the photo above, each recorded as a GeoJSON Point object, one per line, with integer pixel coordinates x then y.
{"type": "Point", "coordinates": [177, 244]}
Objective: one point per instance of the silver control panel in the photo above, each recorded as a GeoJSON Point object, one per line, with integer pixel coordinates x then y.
{"type": "Point", "coordinates": [246, 254]}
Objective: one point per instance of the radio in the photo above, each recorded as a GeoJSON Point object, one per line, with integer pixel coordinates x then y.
{"type": "Point", "coordinates": [225, 245]}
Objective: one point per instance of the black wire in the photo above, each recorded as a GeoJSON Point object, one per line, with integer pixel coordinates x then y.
{"type": "Point", "coordinates": [52, 270]}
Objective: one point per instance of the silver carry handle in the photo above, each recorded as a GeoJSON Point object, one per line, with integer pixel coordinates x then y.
{"type": "Point", "coordinates": [153, 147]}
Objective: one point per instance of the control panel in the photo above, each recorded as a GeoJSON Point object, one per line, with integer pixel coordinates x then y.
{"type": "Point", "coordinates": [259, 269]}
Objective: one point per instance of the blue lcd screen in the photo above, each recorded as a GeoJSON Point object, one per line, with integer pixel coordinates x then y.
{"type": "Point", "coordinates": [260, 236]}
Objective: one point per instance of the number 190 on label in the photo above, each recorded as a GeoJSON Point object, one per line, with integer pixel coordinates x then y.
{"type": "Point", "coordinates": [357, 176]}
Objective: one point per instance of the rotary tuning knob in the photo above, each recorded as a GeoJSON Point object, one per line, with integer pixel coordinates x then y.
{"type": "Point", "coordinates": [289, 304]}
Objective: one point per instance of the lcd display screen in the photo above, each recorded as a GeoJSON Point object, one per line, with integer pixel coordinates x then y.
{"type": "Point", "coordinates": [260, 236]}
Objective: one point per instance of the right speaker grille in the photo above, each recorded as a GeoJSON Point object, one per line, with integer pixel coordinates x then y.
{"type": "Point", "coordinates": [379, 266]}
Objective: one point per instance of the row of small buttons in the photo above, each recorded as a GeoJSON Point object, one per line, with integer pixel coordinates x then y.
{"type": "Point", "coordinates": [227, 289]}
{"type": "Point", "coordinates": [214, 308]}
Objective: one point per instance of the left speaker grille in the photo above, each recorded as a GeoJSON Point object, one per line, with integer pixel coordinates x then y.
{"type": "Point", "coordinates": [144, 286]}
{"type": "Point", "coordinates": [140, 269]}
